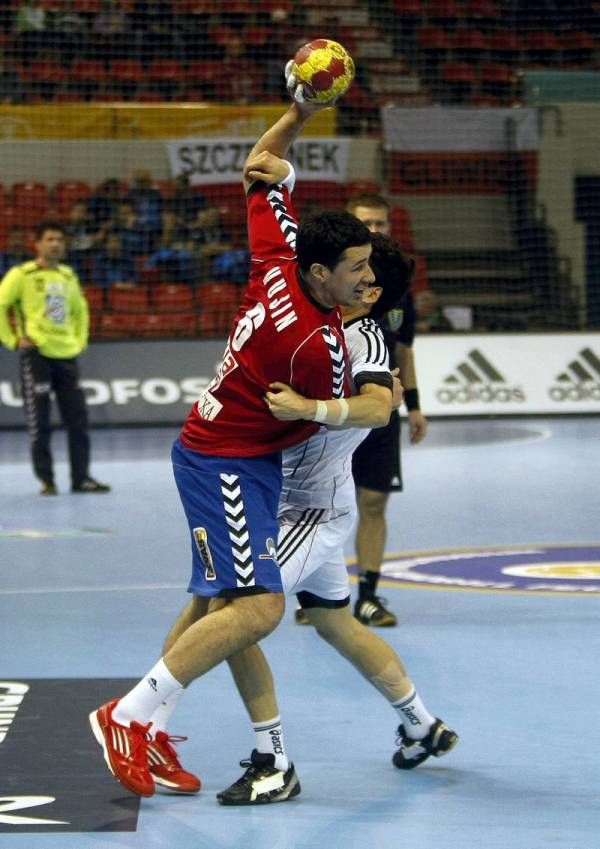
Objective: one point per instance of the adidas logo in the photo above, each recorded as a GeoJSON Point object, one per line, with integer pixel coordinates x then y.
{"type": "Point", "coordinates": [580, 381]}
{"type": "Point", "coordinates": [153, 683]}
{"type": "Point", "coordinates": [476, 379]}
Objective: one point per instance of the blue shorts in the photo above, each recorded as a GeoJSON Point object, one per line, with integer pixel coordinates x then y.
{"type": "Point", "coordinates": [231, 508]}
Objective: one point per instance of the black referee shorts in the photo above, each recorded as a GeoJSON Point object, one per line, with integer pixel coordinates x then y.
{"type": "Point", "coordinates": [376, 461]}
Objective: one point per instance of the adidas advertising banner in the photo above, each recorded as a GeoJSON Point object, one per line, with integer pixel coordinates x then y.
{"type": "Point", "coordinates": [220, 160]}
{"type": "Point", "coordinates": [459, 375]}
{"type": "Point", "coordinates": [509, 374]}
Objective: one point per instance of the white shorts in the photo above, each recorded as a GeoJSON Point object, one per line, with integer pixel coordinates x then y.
{"type": "Point", "coordinates": [310, 552]}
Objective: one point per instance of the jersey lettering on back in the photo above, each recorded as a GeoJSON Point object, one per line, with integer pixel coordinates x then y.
{"type": "Point", "coordinates": [279, 334]}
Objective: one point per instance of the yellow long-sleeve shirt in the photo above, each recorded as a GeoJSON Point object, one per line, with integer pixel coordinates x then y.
{"type": "Point", "coordinates": [48, 306]}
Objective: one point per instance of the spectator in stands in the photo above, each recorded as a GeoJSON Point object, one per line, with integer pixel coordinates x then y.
{"type": "Point", "coordinates": [81, 239]}
{"type": "Point", "coordinates": [174, 255]}
{"type": "Point", "coordinates": [112, 266]}
{"type": "Point", "coordinates": [208, 237]}
{"type": "Point", "coordinates": [30, 27]}
{"type": "Point", "coordinates": [186, 201]}
{"type": "Point", "coordinates": [430, 317]}
{"type": "Point", "coordinates": [110, 31]}
{"type": "Point", "coordinates": [133, 238]}
{"type": "Point", "coordinates": [11, 88]}
{"type": "Point", "coordinates": [156, 31]}
{"type": "Point", "coordinates": [16, 250]}
{"type": "Point", "coordinates": [147, 202]}
{"type": "Point", "coordinates": [68, 31]}
{"type": "Point", "coordinates": [103, 205]}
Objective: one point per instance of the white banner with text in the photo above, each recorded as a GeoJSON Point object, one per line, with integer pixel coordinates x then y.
{"type": "Point", "coordinates": [220, 160]}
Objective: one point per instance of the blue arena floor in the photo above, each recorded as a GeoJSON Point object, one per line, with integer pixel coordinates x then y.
{"type": "Point", "coordinates": [493, 569]}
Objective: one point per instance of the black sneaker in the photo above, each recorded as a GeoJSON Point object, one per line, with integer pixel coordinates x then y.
{"type": "Point", "coordinates": [300, 616]}
{"type": "Point", "coordinates": [48, 488]}
{"type": "Point", "coordinates": [372, 611]}
{"type": "Point", "coordinates": [261, 783]}
{"type": "Point", "coordinates": [411, 753]}
{"type": "Point", "coordinates": [90, 485]}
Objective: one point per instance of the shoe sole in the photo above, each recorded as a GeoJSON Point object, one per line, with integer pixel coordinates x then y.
{"type": "Point", "coordinates": [98, 734]}
{"type": "Point", "coordinates": [289, 793]}
{"type": "Point", "coordinates": [170, 787]}
{"type": "Point", "coordinates": [406, 765]}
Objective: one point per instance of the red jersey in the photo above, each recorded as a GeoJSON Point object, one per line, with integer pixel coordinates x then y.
{"type": "Point", "coordinates": [279, 333]}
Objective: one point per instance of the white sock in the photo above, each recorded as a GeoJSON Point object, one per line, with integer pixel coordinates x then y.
{"type": "Point", "coordinates": [269, 741]}
{"type": "Point", "coordinates": [140, 703]}
{"type": "Point", "coordinates": [162, 714]}
{"type": "Point", "coordinates": [414, 716]}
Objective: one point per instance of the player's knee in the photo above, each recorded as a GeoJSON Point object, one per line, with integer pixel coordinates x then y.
{"type": "Point", "coordinates": [266, 612]}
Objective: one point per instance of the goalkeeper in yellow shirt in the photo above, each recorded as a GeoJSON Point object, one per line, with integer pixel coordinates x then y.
{"type": "Point", "coordinates": [44, 315]}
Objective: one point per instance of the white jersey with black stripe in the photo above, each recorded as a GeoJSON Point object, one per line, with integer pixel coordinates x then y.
{"type": "Point", "coordinates": [318, 472]}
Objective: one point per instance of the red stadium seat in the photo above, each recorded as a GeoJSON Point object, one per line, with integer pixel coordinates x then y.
{"type": "Point", "coordinates": [319, 193]}
{"type": "Point", "coordinates": [175, 324]}
{"type": "Point", "coordinates": [505, 46]}
{"type": "Point", "coordinates": [30, 202]}
{"type": "Point", "coordinates": [578, 48]}
{"type": "Point", "coordinates": [127, 70]}
{"type": "Point", "coordinates": [128, 300]}
{"type": "Point", "coordinates": [215, 296]}
{"type": "Point", "coordinates": [202, 71]}
{"type": "Point", "coordinates": [215, 324]}
{"type": "Point", "coordinates": [176, 297]}
{"type": "Point", "coordinates": [94, 295]}
{"type": "Point", "coordinates": [362, 187]}
{"type": "Point", "coordinates": [402, 227]}
{"type": "Point", "coordinates": [87, 71]}
{"type": "Point", "coordinates": [459, 79]}
{"type": "Point", "coordinates": [68, 192]}
{"type": "Point", "coordinates": [165, 71]}
{"type": "Point", "coordinates": [420, 278]}
{"type": "Point", "coordinates": [116, 326]}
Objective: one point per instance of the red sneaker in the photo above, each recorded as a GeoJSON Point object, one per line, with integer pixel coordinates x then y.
{"type": "Point", "coordinates": [125, 749]}
{"type": "Point", "coordinates": [165, 767]}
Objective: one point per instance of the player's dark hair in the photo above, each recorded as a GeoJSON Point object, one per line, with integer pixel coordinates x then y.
{"type": "Point", "coordinates": [393, 271]}
{"type": "Point", "coordinates": [48, 224]}
{"type": "Point", "coordinates": [324, 236]}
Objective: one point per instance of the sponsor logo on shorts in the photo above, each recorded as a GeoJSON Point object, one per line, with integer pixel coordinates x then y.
{"type": "Point", "coordinates": [271, 553]}
{"type": "Point", "coordinates": [201, 538]}
{"type": "Point", "coordinates": [556, 569]}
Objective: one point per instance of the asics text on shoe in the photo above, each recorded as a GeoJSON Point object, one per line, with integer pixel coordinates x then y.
{"type": "Point", "coordinates": [411, 753]}
{"type": "Point", "coordinates": [261, 783]}
{"type": "Point", "coordinates": [125, 749]}
{"type": "Point", "coordinates": [165, 767]}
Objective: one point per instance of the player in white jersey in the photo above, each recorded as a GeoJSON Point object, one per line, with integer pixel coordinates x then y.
{"type": "Point", "coordinates": [317, 513]}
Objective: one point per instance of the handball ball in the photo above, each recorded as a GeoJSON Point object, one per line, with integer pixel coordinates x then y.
{"type": "Point", "coordinates": [324, 69]}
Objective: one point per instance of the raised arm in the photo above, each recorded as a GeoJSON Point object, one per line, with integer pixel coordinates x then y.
{"type": "Point", "coordinates": [276, 141]}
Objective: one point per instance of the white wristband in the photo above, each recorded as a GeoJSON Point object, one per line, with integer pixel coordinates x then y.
{"type": "Point", "coordinates": [344, 410]}
{"type": "Point", "coordinates": [329, 415]}
{"type": "Point", "coordinates": [321, 412]}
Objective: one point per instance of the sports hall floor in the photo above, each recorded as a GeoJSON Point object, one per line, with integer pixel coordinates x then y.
{"type": "Point", "coordinates": [501, 635]}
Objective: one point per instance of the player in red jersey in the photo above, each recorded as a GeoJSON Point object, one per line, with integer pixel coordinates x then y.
{"type": "Point", "coordinates": [227, 461]}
